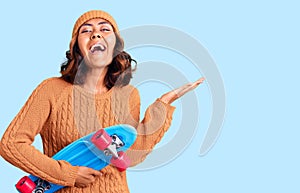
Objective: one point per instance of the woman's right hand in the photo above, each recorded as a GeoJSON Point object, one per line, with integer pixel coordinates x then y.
{"type": "Point", "coordinates": [86, 176]}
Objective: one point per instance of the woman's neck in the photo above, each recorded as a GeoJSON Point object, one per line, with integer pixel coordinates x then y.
{"type": "Point", "coordinates": [94, 81]}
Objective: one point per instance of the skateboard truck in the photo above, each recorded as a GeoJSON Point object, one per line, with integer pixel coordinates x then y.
{"type": "Point", "coordinates": [115, 144]}
{"type": "Point", "coordinates": [109, 145]}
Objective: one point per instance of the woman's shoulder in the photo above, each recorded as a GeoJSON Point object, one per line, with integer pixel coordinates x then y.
{"type": "Point", "coordinates": [52, 86]}
{"type": "Point", "coordinates": [55, 80]}
{"type": "Point", "coordinates": [54, 83]}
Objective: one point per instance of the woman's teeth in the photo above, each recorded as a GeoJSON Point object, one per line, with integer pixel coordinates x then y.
{"type": "Point", "coordinates": [98, 47]}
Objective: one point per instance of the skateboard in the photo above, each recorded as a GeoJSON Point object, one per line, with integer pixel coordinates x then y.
{"type": "Point", "coordinates": [95, 150]}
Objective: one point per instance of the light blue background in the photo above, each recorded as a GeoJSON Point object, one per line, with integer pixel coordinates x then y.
{"type": "Point", "coordinates": [255, 45]}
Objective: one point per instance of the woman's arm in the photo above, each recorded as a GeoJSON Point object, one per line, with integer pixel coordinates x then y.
{"type": "Point", "coordinates": [156, 122]}
{"type": "Point", "coordinates": [16, 144]}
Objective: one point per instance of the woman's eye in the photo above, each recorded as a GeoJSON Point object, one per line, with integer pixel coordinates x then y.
{"type": "Point", "coordinates": [85, 31]}
{"type": "Point", "coordinates": [105, 29]}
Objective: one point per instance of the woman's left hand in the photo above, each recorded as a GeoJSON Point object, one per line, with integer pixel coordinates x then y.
{"type": "Point", "coordinates": [173, 95]}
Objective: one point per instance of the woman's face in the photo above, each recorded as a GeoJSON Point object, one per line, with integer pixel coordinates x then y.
{"type": "Point", "coordinates": [96, 41]}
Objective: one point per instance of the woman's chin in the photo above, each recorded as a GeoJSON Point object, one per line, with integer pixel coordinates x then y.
{"type": "Point", "coordinates": [98, 61]}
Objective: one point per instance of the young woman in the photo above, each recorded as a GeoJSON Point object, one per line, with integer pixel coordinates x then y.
{"type": "Point", "coordinates": [93, 92]}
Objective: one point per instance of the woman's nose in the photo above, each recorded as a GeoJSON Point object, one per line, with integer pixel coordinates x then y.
{"type": "Point", "coordinates": [96, 36]}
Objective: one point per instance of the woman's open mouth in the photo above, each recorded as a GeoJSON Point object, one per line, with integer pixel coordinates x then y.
{"type": "Point", "coordinates": [97, 48]}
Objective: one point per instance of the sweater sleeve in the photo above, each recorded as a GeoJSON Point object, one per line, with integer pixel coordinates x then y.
{"type": "Point", "coordinates": [16, 144]}
{"type": "Point", "coordinates": [151, 129]}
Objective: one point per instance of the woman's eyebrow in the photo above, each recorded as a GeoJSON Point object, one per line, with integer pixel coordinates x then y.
{"type": "Point", "coordinates": [100, 23]}
{"type": "Point", "coordinates": [86, 24]}
{"type": "Point", "coordinates": [103, 22]}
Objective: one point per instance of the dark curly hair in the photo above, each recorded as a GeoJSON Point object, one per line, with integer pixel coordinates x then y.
{"type": "Point", "coordinates": [119, 70]}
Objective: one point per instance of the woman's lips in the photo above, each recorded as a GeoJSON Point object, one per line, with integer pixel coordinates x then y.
{"type": "Point", "coordinates": [97, 48]}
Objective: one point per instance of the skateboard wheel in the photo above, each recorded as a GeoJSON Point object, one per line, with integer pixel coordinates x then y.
{"type": "Point", "coordinates": [122, 162]}
{"type": "Point", "coordinates": [39, 190]}
{"type": "Point", "coordinates": [25, 185]}
{"type": "Point", "coordinates": [101, 139]}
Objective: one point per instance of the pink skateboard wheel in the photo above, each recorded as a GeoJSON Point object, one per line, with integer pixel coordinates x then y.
{"type": "Point", "coordinates": [122, 162]}
{"type": "Point", "coordinates": [101, 139]}
{"type": "Point", "coordinates": [25, 185]}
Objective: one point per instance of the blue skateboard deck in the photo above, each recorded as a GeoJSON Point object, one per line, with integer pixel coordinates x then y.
{"type": "Point", "coordinates": [95, 150]}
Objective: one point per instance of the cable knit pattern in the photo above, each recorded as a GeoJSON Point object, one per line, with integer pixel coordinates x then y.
{"type": "Point", "coordinates": [62, 113]}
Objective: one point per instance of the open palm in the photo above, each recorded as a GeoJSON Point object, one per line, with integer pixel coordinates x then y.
{"type": "Point", "coordinates": [173, 95]}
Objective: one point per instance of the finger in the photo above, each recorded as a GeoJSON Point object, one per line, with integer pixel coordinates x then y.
{"type": "Point", "coordinates": [79, 185]}
{"type": "Point", "coordinates": [182, 88]}
{"type": "Point", "coordinates": [88, 179]}
{"type": "Point", "coordinates": [94, 172]}
{"type": "Point", "coordinates": [188, 87]}
{"type": "Point", "coordinates": [197, 82]}
{"type": "Point", "coordinates": [200, 80]}
{"type": "Point", "coordinates": [179, 92]}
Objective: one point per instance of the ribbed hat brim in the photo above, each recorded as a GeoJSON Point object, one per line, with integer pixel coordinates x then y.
{"type": "Point", "coordinates": [92, 15]}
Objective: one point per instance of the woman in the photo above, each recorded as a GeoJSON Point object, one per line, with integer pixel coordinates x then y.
{"type": "Point", "coordinates": [93, 92]}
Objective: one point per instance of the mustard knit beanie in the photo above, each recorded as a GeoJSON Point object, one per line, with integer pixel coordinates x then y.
{"type": "Point", "coordinates": [92, 15]}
